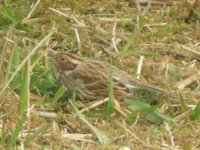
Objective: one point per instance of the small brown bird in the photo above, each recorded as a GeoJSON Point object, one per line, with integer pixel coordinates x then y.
{"type": "Point", "coordinates": [89, 79]}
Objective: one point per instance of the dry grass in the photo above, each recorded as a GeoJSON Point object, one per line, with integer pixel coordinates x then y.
{"type": "Point", "coordinates": [35, 113]}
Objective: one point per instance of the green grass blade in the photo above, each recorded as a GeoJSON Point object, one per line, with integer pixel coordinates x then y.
{"type": "Point", "coordinates": [6, 12]}
{"type": "Point", "coordinates": [173, 70]}
{"type": "Point", "coordinates": [15, 133]}
{"type": "Point", "coordinates": [35, 59]}
{"type": "Point", "coordinates": [16, 61]}
{"type": "Point", "coordinates": [110, 101]}
{"type": "Point", "coordinates": [196, 12]}
{"type": "Point", "coordinates": [24, 62]}
{"type": "Point", "coordinates": [134, 36]}
{"type": "Point", "coordinates": [24, 94]}
{"type": "Point", "coordinates": [9, 67]}
{"type": "Point", "coordinates": [195, 114]}
{"type": "Point", "coordinates": [58, 95]}
{"type": "Point", "coordinates": [3, 135]}
{"type": "Point", "coordinates": [75, 147]}
{"type": "Point", "coordinates": [150, 113]}
{"type": "Point", "coordinates": [102, 137]}
{"type": "Point", "coordinates": [13, 63]}
{"type": "Point", "coordinates": [37, 133]}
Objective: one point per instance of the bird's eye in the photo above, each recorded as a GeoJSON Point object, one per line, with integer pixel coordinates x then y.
{"type": "Point", "coordinates": [62, 59]}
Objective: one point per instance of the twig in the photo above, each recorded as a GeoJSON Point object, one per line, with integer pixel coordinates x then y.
{"type": "Point", "coordinates": [162, 3]}
{"type": "Point", "coordinates": [139, 67]}
{"type": "Point", "coordinates": [32, 10]}
{"type": "Point", "coordinates": [68, 17]}
{"type": "Point", "coordinates": [136, 137]}
{"type": "Point", "coordinates": [112, 46]}
{"type": "Point", "coordinates": [165, 146]}
{"type": "Point", "coordinates": [33, 20]}
{"type": "Point", "coordinates": [101, 39]}
{"type": "Point", "coordinates": [77, 136]}
{"type": "Point", "coordinates": [147, 7]}
{"type": "Point", "coordinates": [98, 103]}
{"type": "Point", "coordinates": [48, 115]}
{"type": "Point", "coordinates": [167, 128]}
{"type": "Point", "coordinates": [119, 137]}
{"type": "Point", "coordinates": [61, 13]}
{"type": "Point", "coordinates": [114, 35]}
{"type": "Point", "coordinates": [103, 19]}
{"type": "Point", "coordinates": [180, 117]}
{"type": "Point", "coordinates": [190, 50]}
{"type": "Point", "coordinates": [136, 120]}
{"type": "Point", "coordinates": [125, 129]}
{"type": "Point", "coordinates": [78, 38]}
{"type": "Point", "coordinates": [9, 40]}
{"type": "Point", "coordinates": [80, 24]}
{"type": "Point", "coordinates": [68, 136]}
{"type": "Point", "coordinates": [188, 106]}
{"type": "Point", "coordinates": [118, 108]}
{"type": "Point", "coordinates": [114, 28]}
{"type": "Point", "coordinates": [108, 49]}
{"type": "Point", "coordinates": [156, 24]}
{"type": "Point", "coordinates": [130, 132]}
{"type": "Point", "coordinates": [138, 6]}
{"type": "Point", "coordinates": [184, 83]}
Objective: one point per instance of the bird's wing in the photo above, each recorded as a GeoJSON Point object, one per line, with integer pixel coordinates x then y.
{"type": "Point", "coordinates": [123, 78]}
{"type": "Point", "coordinates": [93, 83]}
{"type": "Point", "coordinates": [136, 83]}
{"type": "Point", "coordinates": [132, 83]}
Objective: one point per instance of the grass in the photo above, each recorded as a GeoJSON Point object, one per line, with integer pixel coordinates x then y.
{"type": "Point", "coordinates": [27, 82]}
{"type": "Point", "coordinates": [109, 107]}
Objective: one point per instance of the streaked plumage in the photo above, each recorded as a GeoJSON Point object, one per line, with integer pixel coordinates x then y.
{"type": "Point", "coordinates": [89, 79]}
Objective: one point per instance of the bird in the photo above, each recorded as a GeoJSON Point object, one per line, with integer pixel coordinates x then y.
{"type": "Point", "coordinates": [90, 79]}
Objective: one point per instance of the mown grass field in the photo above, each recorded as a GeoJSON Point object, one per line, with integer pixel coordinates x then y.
{"type": "Point", "coordinates": [35, 111]}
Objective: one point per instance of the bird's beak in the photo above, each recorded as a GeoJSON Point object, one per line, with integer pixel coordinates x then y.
{"type": "Point", "coordinates": [52, 54]}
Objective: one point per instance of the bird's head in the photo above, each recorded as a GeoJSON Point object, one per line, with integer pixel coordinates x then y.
{"type": "Point", "coordinates": [65, 61]}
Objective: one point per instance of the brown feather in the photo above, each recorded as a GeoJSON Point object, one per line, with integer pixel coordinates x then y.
{"type": "Point", "coordinates": [89, 79]}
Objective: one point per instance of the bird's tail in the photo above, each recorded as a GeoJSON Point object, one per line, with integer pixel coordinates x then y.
{"type": "Point", "coordinates": [140, 84]}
